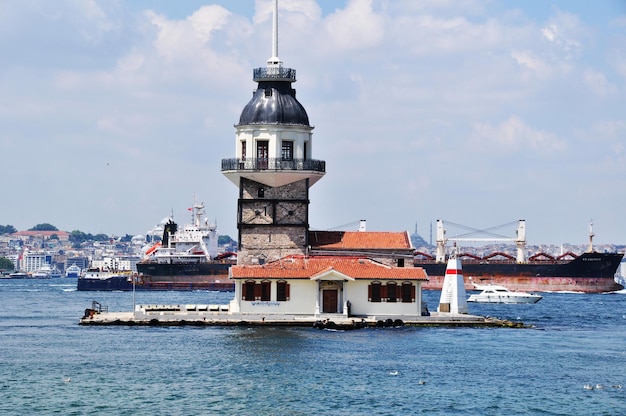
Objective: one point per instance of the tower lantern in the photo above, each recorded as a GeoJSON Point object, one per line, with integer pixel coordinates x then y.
{"type": "Point", "coordinates": [273, 166]}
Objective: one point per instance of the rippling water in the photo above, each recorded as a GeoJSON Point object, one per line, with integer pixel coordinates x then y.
{"type": "Point", "coordinates": [51, 365]}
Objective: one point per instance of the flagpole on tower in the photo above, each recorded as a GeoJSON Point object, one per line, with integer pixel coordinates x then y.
{"type": "Point", "coordinates": [275, 30]}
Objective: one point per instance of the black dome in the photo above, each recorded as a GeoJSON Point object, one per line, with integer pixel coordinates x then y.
{"type": "Point", "coordinates": [274, 102]}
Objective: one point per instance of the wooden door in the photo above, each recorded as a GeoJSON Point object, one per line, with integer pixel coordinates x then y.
{"type": "Point", "coordinates": [329, 301]}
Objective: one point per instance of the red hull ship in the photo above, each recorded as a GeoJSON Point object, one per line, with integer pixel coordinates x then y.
{"type": "Point", "coordinates": [590, 272]}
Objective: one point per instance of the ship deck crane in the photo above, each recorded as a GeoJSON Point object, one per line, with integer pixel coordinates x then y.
{"type": "Point", "coordinates": [519, 240]}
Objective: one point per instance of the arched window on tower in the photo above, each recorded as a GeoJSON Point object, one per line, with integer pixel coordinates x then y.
{"type": "Point", "coordinates": [262, 154]}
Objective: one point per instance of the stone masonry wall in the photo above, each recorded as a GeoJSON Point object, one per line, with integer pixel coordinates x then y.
{"type": "Point", "coordinates": [287, 235]}
{"type": "Point", "coordinates": [262, 245]}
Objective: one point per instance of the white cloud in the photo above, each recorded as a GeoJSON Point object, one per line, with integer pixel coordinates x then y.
{"type": "Point", "coordinates": [513, 135]}
{"type": "Point", "coordinates": [597, 82]}
{"type": "Point", "coordinates": [612, 129]}
{"type": "Point", "coordinates": [355, 27]}
{"type": "Point", "coordinates": [207, 20]}
{"type": "Point", "coordinates": [564, 31]}
{"type": "Point", "coordinates": [529, 60]}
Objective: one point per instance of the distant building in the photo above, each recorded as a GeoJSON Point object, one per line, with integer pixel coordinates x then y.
{"type": "Point", "coordinates": [40, 235]}
{"type": "Point", "coordinates": [81, 262]}
{"type": "Point", "coordinates": [33, 261]}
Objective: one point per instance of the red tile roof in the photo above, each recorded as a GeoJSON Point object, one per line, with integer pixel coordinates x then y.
{"type": "Point", "coordinates": [300, 267]}
{"type": "Point", "coordinates": [63, 235]}
{"type": "Point", "coordinates": [350, 240]}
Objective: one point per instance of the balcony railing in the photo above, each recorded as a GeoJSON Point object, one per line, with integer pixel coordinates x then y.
{"type": "Point", "coordinates": [273, 164]}
{"type": "Point", "coordinates": [274, 74]}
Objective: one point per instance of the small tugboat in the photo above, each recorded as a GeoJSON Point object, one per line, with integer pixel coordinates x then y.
{"type": "Point", "coordinates": [500, 294]}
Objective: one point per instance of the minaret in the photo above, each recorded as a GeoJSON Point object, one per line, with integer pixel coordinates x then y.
{"type": "Point", "coordinates": [273, 167]}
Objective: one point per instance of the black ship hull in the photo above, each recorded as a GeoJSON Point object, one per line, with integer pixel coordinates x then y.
{"type": "Point", "coordinates": [590, 273]}
{"type": "Point", "coordinates": [154, 276]}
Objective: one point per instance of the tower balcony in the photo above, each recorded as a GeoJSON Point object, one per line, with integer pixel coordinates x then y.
{"type": "Point", "coordinates": [274, 73]}
{"type": "Point", "coordinates": [273, 164]}
{"type": "Point", "coordinates": [273, 171]}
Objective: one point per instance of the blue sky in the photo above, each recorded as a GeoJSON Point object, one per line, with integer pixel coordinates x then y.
{"type": "Point", "coordinates": [115, 113]}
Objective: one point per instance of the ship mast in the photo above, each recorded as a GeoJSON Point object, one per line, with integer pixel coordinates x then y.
{"type": "Point", "coordinates": [520, 241]}
{"type": "Point", "coordinates": [591, 235]}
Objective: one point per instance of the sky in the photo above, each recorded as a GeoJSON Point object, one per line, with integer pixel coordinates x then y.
{"type": "Point", "coordinates": [115, 114]}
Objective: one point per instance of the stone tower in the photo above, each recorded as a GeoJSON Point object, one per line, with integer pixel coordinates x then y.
{"type": "Point", "coordinates": [273, 167]}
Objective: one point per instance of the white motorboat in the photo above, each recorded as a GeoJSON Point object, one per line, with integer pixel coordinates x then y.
{"type": "Point", "coordinates": [500, 294]}
{"type": "Point", "coordinates": [46, 272]}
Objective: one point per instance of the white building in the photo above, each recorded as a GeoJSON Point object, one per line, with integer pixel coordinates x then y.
{"type": "Point", "coordinates": [320, 285]}
{"type": "Point", "coordinates": [33, 261]}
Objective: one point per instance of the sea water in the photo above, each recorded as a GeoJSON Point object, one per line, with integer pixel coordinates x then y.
{"type": "Point", "coordinates": [51, 365]}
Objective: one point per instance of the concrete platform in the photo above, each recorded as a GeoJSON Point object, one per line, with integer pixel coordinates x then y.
{"type": "Point", "coordinates": [218, 315]}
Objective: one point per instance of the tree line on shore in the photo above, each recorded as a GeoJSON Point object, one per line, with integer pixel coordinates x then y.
{"type": "Point", "coordinates": [75, 236]}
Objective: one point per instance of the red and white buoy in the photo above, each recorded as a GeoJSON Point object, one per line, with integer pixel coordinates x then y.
{"type": "Point", "coordinates": [453, 297]}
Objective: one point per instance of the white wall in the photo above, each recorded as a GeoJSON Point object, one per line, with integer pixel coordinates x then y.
{"type": "Point", "coordinates": [357, 294]}
{"type": "Point", "coordinates": [304, 294]}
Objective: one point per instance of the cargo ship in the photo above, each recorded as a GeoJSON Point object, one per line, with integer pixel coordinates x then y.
{"type": "Point", "coordinates": [214, 278]}
{"type": "Point", "coordinates": [184, 259]}
{"type": "Point", "coordinates": [589, 272]}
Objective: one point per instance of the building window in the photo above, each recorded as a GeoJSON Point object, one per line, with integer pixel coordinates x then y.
{"type": "Point", "coordinates": [287, 150]}
{"type": "Point", "coordinates": [262, 154]}
{"type": "Point", "coordinates": [375, 292]}
{"type": "Point", "coordinates": [400, 262]}
{"type": "Point", "coordinates": [248, 291]}
{"type": "Point", "coordinates": [265, 291]}
{"type": "Point", "coordinates": [408, 292]}
{"type": "Point", "coordinates": [392, 292]}
{"type": "Point", "coordinates": [282, 291]}
{"type": "Point", "coordinates": [243, 150]}
{"type": "Point", "coordinates": [261, 192]}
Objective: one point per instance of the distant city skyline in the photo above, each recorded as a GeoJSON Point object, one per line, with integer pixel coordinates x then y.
{"type": "Point", "coordinates": [115, 114]}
